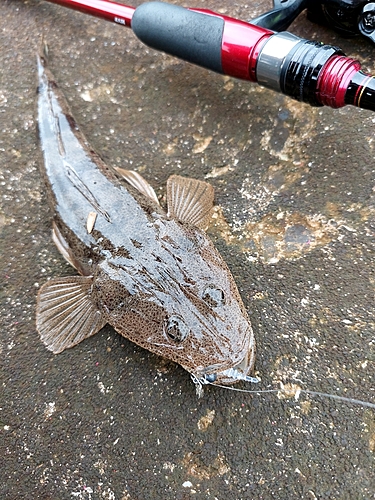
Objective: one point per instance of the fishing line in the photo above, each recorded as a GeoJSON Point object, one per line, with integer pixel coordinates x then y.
{"type": "Point", "coordinates": [292, 392]}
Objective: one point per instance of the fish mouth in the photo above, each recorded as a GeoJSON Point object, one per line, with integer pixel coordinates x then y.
{"type": "Point", "coordinates": [240, 371]}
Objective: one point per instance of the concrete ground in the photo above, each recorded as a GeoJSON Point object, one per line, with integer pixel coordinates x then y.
{"type": "Point", "coordinates": [296, 225]}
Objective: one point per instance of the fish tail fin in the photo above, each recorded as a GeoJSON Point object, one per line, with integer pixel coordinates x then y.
{"type": "Point", "coordinates": [43, 51]}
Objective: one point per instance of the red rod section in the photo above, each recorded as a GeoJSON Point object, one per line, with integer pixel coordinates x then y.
{"type": "Point", "coordinates": [110, 11]}
{"type": "Point", "coordinates": [334, 80]}
{"type": "Point", "coordinates": [240, 46]}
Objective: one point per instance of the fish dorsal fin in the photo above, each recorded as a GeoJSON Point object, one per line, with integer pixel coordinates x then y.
{"type": "Point", "coordinates": [65, 314]}
{"type": "Point", "coordinates": [190, 200]}
{"type": "Point", "coordinates": [138, 182]}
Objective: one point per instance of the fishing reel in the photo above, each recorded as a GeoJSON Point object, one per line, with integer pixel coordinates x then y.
{"type": "Point", "coordinates": [347, 17]}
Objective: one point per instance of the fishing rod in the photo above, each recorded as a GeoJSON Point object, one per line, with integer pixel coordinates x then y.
{"type": "Point", "coordinates": [311, 72]}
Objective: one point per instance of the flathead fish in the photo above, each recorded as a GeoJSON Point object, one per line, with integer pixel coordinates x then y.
{"type": "Point", "coordinates": [153, 275]}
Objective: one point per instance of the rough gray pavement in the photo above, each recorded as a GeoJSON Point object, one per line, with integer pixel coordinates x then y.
{"type": "Point", "coordinates": [296, 225]}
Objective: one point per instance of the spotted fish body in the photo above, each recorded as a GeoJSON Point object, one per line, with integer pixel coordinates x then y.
{"type": "Point", "coordinates": [154, 276]}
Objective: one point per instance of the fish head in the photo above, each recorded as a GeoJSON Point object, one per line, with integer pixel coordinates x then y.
{"type": "Point", "coordinates": [184, 306]}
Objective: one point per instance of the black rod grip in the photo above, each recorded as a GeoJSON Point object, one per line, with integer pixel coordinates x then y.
{"type": "Point", "coordinates": [189, 35]}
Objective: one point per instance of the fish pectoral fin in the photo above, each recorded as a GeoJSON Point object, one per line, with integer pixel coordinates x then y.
{"type": "Point", "coordinates": [65, 313]}
{"type": "Point", "coordinates": [138, 182]}
{"type": "Point", "coordinates": [190, 200]}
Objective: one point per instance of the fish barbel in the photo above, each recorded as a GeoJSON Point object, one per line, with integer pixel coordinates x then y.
{"type": "Point", "coordinates": [153, 275]}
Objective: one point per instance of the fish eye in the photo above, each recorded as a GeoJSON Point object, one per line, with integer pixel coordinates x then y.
{"type": "Point", "coordinates": [213, 296]}
{"type": "Point", "coordinates": [176, 329]}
